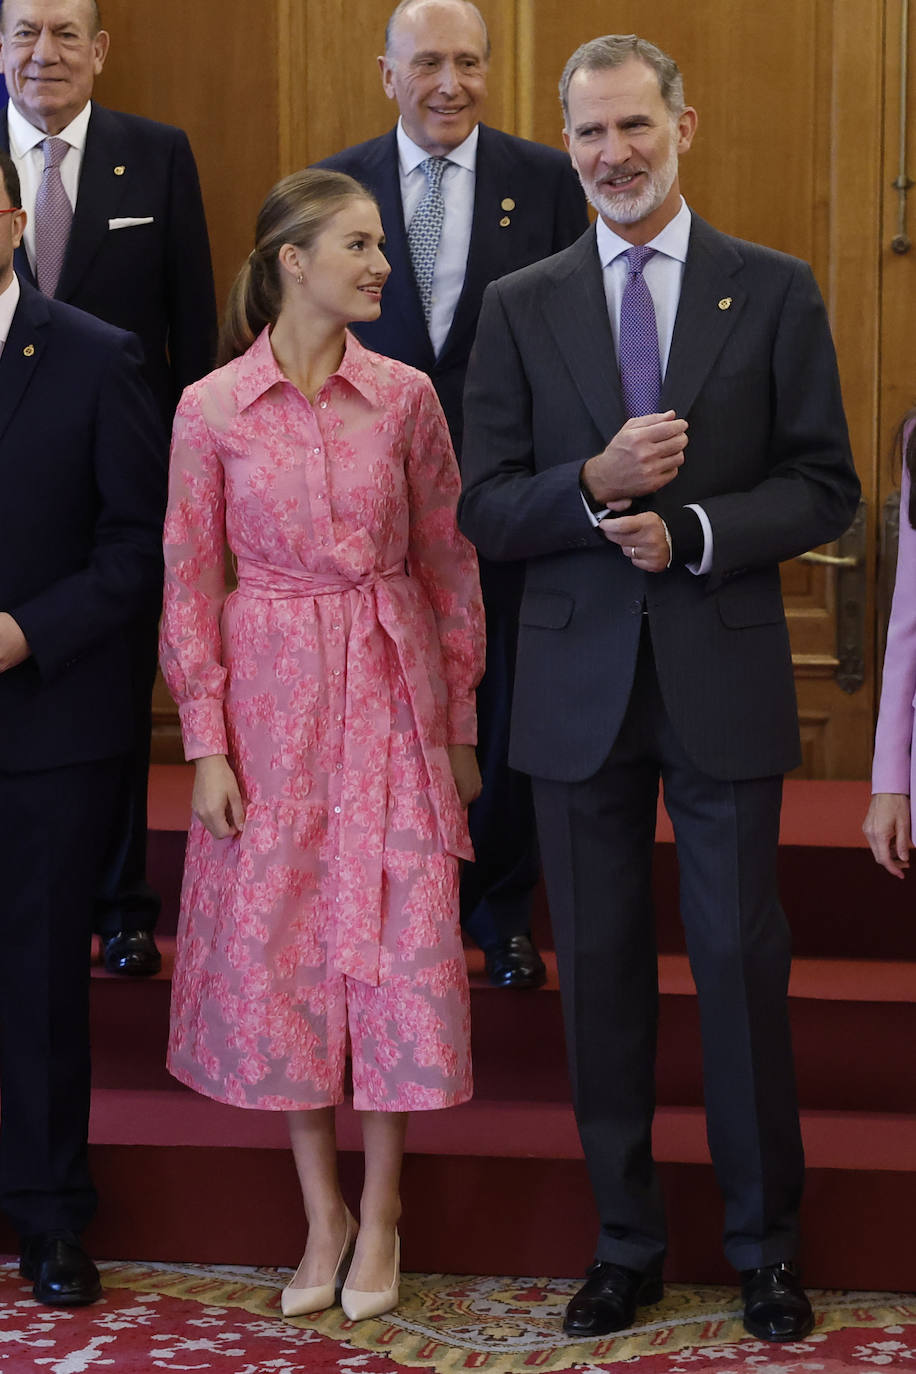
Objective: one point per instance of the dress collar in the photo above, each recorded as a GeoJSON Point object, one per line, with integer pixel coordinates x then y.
{"type": "Point", "coordinates": [259, 370]}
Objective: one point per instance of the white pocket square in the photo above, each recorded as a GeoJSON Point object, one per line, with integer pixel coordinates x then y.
{"type": "Point", "coordinates": [129, 223]}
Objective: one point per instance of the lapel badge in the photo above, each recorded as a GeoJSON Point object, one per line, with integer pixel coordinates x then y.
{"type": "Point", "coordinates": [119, 171]}
{"type": "Point", "coordinates": [725, 302]}
{"type": "Point", "coordinates": [28, 351]}
{"type": "Point", "coordinates": [505, 222]}
{"type": "Point", "coordinates": [507, 203]}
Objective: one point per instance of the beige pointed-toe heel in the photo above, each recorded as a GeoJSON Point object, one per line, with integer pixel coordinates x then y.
{"type": "Point", "coordinates": [295, 1301]}
{"type": "Point", "coordinates": [358, 1305]}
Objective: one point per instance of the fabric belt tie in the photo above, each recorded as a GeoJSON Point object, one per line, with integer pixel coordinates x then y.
{"type": "Point", "coordinates": [377, 617]}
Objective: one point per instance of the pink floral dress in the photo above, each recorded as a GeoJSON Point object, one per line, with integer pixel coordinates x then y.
{"type": "Point", "coordinates": [334, 677]}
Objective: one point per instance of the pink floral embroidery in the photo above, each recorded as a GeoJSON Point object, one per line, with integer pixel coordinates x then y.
{"type": "Point", "coordinates": [335, 677]}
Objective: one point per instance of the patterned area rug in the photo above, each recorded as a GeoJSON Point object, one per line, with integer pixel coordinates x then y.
{"type": "Point", "coordinates": [225, 1320]}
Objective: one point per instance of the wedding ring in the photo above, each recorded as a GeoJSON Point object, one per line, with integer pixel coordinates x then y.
{"type": "Point", "coordinates": [633, 551]}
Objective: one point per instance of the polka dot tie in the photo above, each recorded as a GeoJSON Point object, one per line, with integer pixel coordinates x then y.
{"type": "Point", "coordinates": [53, 217]}
{"type": "Point", "coordinates": [637, 345]}
{"type": "Point", "coordinates": [425, 231]}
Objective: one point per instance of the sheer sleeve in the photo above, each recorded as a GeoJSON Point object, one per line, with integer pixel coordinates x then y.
{"type": "Point", "coordinates": [195, 584]}
{"type": "Point", "coordinates": [444, 561]}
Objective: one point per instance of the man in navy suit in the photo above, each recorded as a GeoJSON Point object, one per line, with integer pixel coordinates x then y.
{"type": "Point", "coordinates": [82, 494]}
{"type": "Point", "coordinates": [505, 202]}
{"type": "Point", "coordinates": [136, 254]}
{"type": "Point", "coordinates": [653, 644]}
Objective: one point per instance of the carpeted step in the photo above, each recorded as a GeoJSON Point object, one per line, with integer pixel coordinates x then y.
{"type": "Point", "coordinates": [488, 1188]}
{"type": "Point", "coordinates": [839, 903]}
{"type": "Point", "coordinates": [854, 1024]}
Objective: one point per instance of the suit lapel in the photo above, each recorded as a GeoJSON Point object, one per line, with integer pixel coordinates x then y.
{"type": "Point", "coordinates": [22, 351]}
{"type": "Point", "coordinates": [101, 188]}
{"type": "Point", "coordinates": [401, 295]}
{"type": "Point", "coordinates": [575, 307]}
{"type": "Point", "coordinates": [493, 182]}
{"type": "Point", "coordinates": [710, 303]}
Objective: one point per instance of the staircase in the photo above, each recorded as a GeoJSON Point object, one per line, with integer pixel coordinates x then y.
{"type": "Point", "coordinates": [499, 1185]}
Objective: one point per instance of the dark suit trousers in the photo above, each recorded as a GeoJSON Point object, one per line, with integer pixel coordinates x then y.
{"type": "Point", "coordinates": [597, 838]}
{"type": "Point", "coordinates": [125, 900]}
{"type": "Point", "coordinates": [496, 890]}
{"type": "Point", "coordinates": [54, 827]}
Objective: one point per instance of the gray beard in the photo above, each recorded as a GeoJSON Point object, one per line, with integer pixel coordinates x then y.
{"type": "Point", "coordinates": [631, 209]}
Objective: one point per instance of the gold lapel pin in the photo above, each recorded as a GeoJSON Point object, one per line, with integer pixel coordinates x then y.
{"type": "Point", "coordinates": [28, 351]}
{"type": "Point", "coordinates": [725, 302]}
{"type": "Point", "coordinates": [119, 171]}
{"type": "Point", "coordinates": [505, 222]}
{"type": "Point", "coordinates": [507, 204]}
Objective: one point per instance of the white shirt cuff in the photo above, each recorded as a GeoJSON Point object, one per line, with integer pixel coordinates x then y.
{"type": "Point", "coordinates": [705, 563]}
{"type": "Point", "coordinates": [594, 517]}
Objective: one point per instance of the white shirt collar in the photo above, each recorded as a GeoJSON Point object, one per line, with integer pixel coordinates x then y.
{"type": "Point", "coordinates": [9, 299]}
{"type": "Point", "coordinates": [410, 154]}
{"type": "Point", "coordinates": [24, 136]}
{"type": "Point", "coordinates": [672, 241]}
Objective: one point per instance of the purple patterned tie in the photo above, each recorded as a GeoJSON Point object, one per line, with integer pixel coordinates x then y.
{"type": "Point", "coordinates": [53, 217]}
{"type": "Point", "coordinates": [637, 345]}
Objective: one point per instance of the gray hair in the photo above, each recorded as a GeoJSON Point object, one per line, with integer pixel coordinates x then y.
{"type": "Point", "coordinates": [406, 5]}
{"type": "Point", "coordinates": [613, 50]}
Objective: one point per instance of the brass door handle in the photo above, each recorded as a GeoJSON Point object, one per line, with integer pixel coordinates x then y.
{"type": "Point", "coordinates": [849, 600]}
{"type": "Point", "coordinates": [829, 560]}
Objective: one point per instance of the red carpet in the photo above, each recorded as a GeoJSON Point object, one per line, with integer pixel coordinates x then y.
{"type": "Point", "coordinates": [219, 1321]}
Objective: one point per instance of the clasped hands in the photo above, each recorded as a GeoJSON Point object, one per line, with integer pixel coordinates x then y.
{"type": "Point", "coordinates": [644, 456]}
{"type": "Point", "coordinates": [217, 799]}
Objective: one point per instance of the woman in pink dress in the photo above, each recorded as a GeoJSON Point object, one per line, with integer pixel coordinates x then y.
{"type": "Point", "coordinates": [888, 824]}
{"type": "Point", "coordinates": [328, 703]}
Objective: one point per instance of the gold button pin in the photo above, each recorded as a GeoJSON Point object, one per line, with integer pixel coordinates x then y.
{"type": "Point", "coordinates": [28, 351]}
{"type": "Point", "coordinates": [725, 302]}
{"type": "Point", "coordinates": [507, 204]}
{"type": "Point", "coordinates": [505, 222]}
{"type": "Point", "coordinates": [119, 171]}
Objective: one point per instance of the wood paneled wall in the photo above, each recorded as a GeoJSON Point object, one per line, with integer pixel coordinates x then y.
{"type": "Point", "coordinates": [796, 148]}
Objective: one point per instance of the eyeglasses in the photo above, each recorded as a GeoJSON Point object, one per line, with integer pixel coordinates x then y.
{"type": "Point", "coordinates": [13, 210]}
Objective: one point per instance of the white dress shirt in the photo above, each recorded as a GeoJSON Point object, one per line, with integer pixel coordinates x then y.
{"type": "Point", "coordinates": [9, 299]}
{"type": "Point", "coordinates": [29, 161]}
{"type": "Point", "coordinates": [663, 274]}
{"type": "Point", "coordinates": [458, 182]}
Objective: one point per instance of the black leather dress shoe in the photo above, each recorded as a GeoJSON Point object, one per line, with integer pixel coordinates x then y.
{"type": "Point", "coordinates": [515, 963]}
{"type": "Point", "coordinates": [609, 1299]}
{"type": "Point", "coordinates": [62, 1273]}
{"type": "Point", "coordinates": [131, 952]}
{"type": "Point", "coordinates": [776, 1307]}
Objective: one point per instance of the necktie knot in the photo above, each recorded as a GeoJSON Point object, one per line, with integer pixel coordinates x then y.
{"type": "Point", "coordinates": [55, 150]}
{"type": "Point", "coordinates": [434, 170]}
{"type": "Point", "coordinates": [638, 256]}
